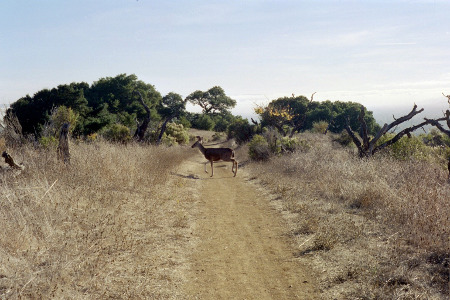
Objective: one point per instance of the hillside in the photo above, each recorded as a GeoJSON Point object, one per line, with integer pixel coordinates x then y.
{"type": "Point", "coordinates": [146, 222]}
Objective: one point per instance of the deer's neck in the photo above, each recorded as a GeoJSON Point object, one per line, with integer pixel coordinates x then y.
{"type": "Point", "coordinates": [202, 149]}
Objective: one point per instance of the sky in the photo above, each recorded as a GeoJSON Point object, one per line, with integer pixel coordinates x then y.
{"type": "Point", "coordinates": [386, 55]}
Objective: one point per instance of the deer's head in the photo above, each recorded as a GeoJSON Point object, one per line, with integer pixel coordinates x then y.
{"type": "Point", "coordinates": [199, 141]}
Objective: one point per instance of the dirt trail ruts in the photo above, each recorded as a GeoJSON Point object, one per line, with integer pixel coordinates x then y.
{"type": "Point", "coordinates": [242, 250]}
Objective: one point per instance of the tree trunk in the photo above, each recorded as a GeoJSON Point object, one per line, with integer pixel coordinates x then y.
{"type": "Point", "coordinates": [142, 128]}
{"type": "Point", "coordinates": [63, 152]}
{"type": "Point", "coordinates": [163, 129]}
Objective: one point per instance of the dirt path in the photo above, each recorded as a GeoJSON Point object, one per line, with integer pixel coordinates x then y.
{"type": "Point", "coordinates": [242, 251]}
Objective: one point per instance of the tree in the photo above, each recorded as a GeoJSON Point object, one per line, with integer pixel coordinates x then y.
{"type": "Point", "coordinates": [108, 100]}
{"type": "Point", "coordinates": [368, 146]}
{"type": "Point", "coordinates": [438, 125]}
{"type": "Point", "coordinates": [286, 114]}
{"type": "Point", "coordinates": [293, 114]}
{"type": "Point", "coordinates": [213, 101]}
{"type": "Point", "coordinates": [172, 106]}
{"type": "Point", "coordinates": [142, 128]}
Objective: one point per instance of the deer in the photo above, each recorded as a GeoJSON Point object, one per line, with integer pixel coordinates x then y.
{"type": "Point", "coordinates": [216, 154]}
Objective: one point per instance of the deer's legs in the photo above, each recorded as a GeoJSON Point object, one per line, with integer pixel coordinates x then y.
{"type": "Point", "coordinates": [212, 169]}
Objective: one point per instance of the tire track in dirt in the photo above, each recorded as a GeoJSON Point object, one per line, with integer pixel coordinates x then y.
{"type": "Point", "coordinates": [242, 251]}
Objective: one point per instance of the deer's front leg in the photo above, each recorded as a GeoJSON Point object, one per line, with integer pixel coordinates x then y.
{"type": "Point", "coordinates": [212, 169]}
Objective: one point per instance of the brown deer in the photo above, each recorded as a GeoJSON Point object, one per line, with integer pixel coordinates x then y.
{"type": "Point", "coordinates": [216, 154]}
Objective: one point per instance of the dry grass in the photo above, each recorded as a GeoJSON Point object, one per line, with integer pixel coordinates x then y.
{"type": "Point", "coordinates": [374, 229]}
{"type": "Point", "coordinates": [104, 227]}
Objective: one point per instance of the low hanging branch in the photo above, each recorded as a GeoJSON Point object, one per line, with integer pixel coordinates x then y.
{"type": "Point", "coordinates": [142, 128]}
{"type": "Point", "coordinates": [367, 147]}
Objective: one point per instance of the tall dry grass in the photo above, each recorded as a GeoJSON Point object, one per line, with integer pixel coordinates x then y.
{"type": "Point", "coordinates": [103, 227]}
{"type": "Point", "coordinates": [374, 228]}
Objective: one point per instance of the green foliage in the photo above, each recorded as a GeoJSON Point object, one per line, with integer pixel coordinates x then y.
{"type": "Point", "coordinates": [436, 138]}
{"type": "Point", "coordinates": [407, 148]}
{"type": "Point", "coordinates": [279, 144]}
{"type": "Point", "coordinates": [213, 101]}
{"type": "Point", "coordinates": [344, 139]}
{"type": "Point", "coordinates": [241, 130]}
{"type": "Point", "coordinates": [202, 122]}
{"type": "Point", "coordinates": [298, 113]}
{"type": "Point", "coordinates": [177, 132]}
{"type": "Point", "coordinates": [258, 148]}
{"type": "Point", "coordinates": [183, 120]}
{"type": "Point", "coordinates": [61, 115]}
{"type": "Point", "coordinates": [108, 100]}
{"type": "Point", "coordinates": [48, 142]}
{"type": "Point", "coordinates": [293, 144]}
{"type": "Point", "coordinates": [171, 106]}
{"type": "Point", "coordinates": [117, 133]}
{"type": "Point", "coordinates": [320, 127]}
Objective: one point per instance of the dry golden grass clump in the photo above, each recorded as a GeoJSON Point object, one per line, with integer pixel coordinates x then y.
{"type": "Point", "coordinates": [374, 228]}
{"type": "Point", "coordinates": [104, 226]}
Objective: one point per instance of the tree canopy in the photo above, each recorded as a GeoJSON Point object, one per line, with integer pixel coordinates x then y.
{"type": "Point", "coordinates": [299, 113]}
{"type": "Point", "coordinates": [213, 101]}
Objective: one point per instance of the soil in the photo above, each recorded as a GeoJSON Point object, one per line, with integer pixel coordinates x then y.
{"type": "Point", "coordinates": [242, 250]}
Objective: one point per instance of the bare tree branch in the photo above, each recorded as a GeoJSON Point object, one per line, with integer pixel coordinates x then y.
{"type": "Point", "coordinates": [367, 146]}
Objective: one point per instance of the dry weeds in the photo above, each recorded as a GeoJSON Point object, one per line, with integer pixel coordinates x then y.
{"type": "Point", "coordinates": [373, 229]}
{"type": "Point", "coordinates": [106, 226]}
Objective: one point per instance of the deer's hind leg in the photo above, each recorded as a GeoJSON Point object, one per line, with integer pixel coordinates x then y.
{"type": "Point", "coordinates": [235, 167]}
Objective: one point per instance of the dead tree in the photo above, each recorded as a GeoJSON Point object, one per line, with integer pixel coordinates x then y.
{"type": "Point", "coordinates": [11, 129]}
{"type": "Point", "coordinates": [436, 123]}
{"type": "Point", "coordinates": [368, 147]}
{"type": "Point", "coordinates": [142, 128]}
{"type": "Point", "coordinates": [63, 152]}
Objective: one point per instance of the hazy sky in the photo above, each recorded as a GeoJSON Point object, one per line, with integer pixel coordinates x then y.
{"type": "Point", "coordinates": [379, 53]}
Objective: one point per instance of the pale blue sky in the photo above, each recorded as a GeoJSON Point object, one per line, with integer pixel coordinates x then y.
{"type": "Point", "coordinates": [379, 53]}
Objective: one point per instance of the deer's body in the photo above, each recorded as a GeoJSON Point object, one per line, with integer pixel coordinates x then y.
{"type": "Point", "coordinates": [216, 154]}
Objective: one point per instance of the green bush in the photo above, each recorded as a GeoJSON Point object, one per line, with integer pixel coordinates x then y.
{"type": "Point", "coordinates": [203, 122]}
{"type": "Point", "coordinates": [320, 127]}
{"type": "Point", "coordinates": [178, 132]}
{"type": "Point", "coordinates": [344, 139]}
{"type": "Point", "coordinates": [258, 148]}
{"type": "Point", "coordinates": [241, 130]}
{"type": "Point", "coordinates": [407, 148]}
{"type": "Point", "coordinates": [185, 122]}
{"type": "Point", "coordinates": [293, 144]}
{"type": "Point", "coordinates": [48, 142]}
{"type": "Point", "coordinates": [117, 133]}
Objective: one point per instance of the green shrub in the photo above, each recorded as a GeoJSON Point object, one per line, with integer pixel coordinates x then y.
{"type": "Point", "coordinates": [435, 138]}
{"type": "Point", "coordinates": [48, 142]}
{"type": "Point", "coordinates": [320, 127]}
{"type": "Point", "coordinates": [185, 122]}
{"type": "Point", "coordinates": [168, 140]}
{"type": "Point", "coordinates": [241, 131]}
{"type": "Point", "coordinates": [407, 148]}
{"type": "Point", "coordinates": [61, 115]}
{"type": "Point", "coordinates": [288, 144]}
{"type": "Point", "coordinates": [203, 122]}
{"type": "Point", "coordinates": [258, 148]}
{"type": "Point", "coordinates": [117, 133]}
{"type": "Point", "coordinates": [344, 139]}
{"type": "Point", "coordinates": [178, 132]}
